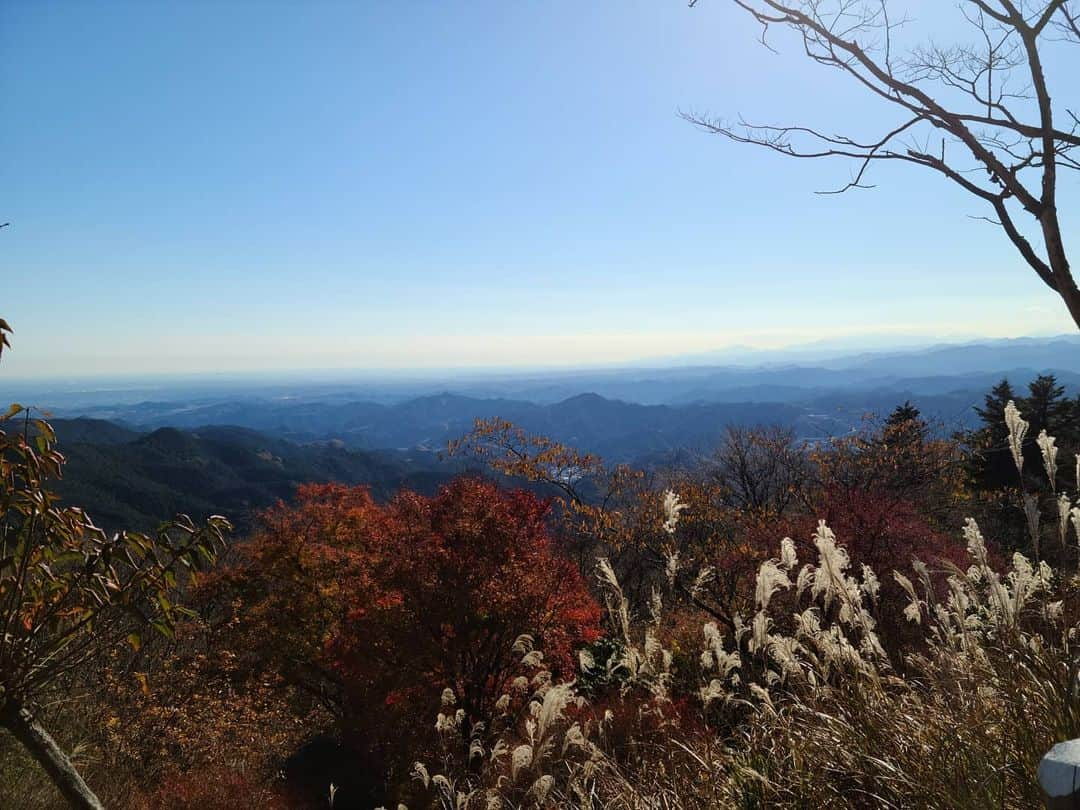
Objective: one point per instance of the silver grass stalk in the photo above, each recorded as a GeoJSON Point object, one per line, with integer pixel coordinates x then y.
{"type": "Point", "coordinates": [976, 545]}
{"type": "Point", "coordinates": [704, 577]}
{"type": "Point", "coordinates": [555, 702]}
{"type": "Point", "coordinates": [672, 507]}
{"type": "Point", "coordinates": [1048, 450]}
{"type": "Point", "coordinates": [1018, 429]}
{"type": "Point", "coordinates": [520, 759]}
{"type": "Point", "coordinates": [540, 789]}
{"type": "Point", "coordinates": [788, 558]}
{"type": "Point", "coordinates": [1064, 509]}
{"type": "Point", "coordinates": [671, 566]}
{"type": "Point", "coordinates": [770, 579]}
{"type": "Point", "coordinates": [870, 585]}
{"type": "Point", "coordinates": [913, 611]}
{"type": "Point", "coordinates": [420, 773]}
{"type": "Point", "coordinates": [1031, 512]}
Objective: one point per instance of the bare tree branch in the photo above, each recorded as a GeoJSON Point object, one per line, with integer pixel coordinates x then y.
{"type": "Point", "coordinates": [1000, 128]}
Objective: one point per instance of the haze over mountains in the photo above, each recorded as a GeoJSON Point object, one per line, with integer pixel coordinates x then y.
{"type": "Point", "coordinates": [141, 450]}
{"type": "Point", "coordinates": [407, 410]}
{"type": "Point", "coordinates": [671, 381]}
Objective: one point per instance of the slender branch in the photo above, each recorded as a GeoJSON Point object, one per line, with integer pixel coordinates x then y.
{"type": "Point", "coordinates": [855, 36]}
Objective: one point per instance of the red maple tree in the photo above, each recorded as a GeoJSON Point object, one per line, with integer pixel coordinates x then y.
{"type": "Point", "coordinates": [375, 609]}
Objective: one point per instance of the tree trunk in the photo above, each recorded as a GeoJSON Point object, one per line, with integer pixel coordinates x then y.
{"type": "Point", "coordinates": [44, 749]}
{"type": "Point", "coordinates": [1059, 263]}
{"type": "Point", "coordinates": [1070, 294]}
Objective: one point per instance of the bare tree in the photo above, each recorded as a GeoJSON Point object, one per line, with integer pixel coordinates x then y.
{"type": "Point", "coordinates": [760, 470]}
{"type": "Point", "coordinates": [978, 114]}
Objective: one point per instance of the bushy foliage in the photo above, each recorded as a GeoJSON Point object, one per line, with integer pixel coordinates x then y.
{"type": "Point", "coordinates": [199, 709]}
{"type": "Point", "coordinates": [805, 699]}
{"type": "Point", "coordinates": [376, 609]}
{"type": "Point", "coordinates": [837, 641]}
{"type": "Point", "coordinates": [71, 594]}
{"type": "Point", "coordinates": [214, 787]}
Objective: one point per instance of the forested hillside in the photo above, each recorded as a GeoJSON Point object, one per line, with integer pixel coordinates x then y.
{"type": "Point", "coordinates": [136, 480]}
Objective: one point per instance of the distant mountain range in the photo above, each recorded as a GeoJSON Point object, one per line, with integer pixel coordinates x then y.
{"type": "Point", "coordinates": [620, 430]}
{"type": "Point", "coordinates": [789, 376]}
{"type": "Point", "coordinates": [237, 446]}
{"type": "Point", "coordinates": [838, 353]}
{"type": "Point", "coordinates": [625, 414]}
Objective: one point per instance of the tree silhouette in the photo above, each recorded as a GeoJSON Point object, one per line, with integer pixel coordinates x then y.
{"type": "Point", "coordinates": [979, 115]}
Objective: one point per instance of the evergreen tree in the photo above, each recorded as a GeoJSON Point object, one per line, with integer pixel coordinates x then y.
{"type": "Point", "coordinates": [990, 466]}
{"type": "Point", "coordinates": [904, 433]}
{"type": "Point", "coordinates": [906, 418]}
{"type": "Point", "coordinates": [991, 470]}
{"type": "Point", "coordinates": [992, 413]}
{"type": "Point", "coordinates": [1046, 407]}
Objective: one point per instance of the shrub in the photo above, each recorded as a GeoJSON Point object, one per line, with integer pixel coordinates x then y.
{"type": "Point", "coordinates": [206, 789]}
{"type": "Point", "coordinates": [376, 609]}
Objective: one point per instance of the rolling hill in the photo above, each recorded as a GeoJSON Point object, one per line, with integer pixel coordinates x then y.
{"type": "Point", "coordinates": [127, 479]}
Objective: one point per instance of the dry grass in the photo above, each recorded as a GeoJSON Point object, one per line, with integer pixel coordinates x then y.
{"type": "Point", "coordinates": [826, 718]}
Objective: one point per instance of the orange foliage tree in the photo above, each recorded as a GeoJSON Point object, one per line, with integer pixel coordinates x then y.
{"type": "Point", "coordinates": [598, 501]}
{"type": "Point", "coordinates": [889, 491]}
{"type": "Point", "coordinates": [375, 609]}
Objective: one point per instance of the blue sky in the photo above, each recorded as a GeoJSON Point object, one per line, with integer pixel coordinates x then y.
{"type": "Point", "coordinates": [226, 186]}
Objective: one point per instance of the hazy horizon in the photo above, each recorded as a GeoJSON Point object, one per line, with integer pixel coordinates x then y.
{"type": "Point", "coordinates": [816, 352]}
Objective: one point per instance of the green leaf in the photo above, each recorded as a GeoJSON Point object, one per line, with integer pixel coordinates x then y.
{"type": "Point", "coordinates": [135, 640]}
